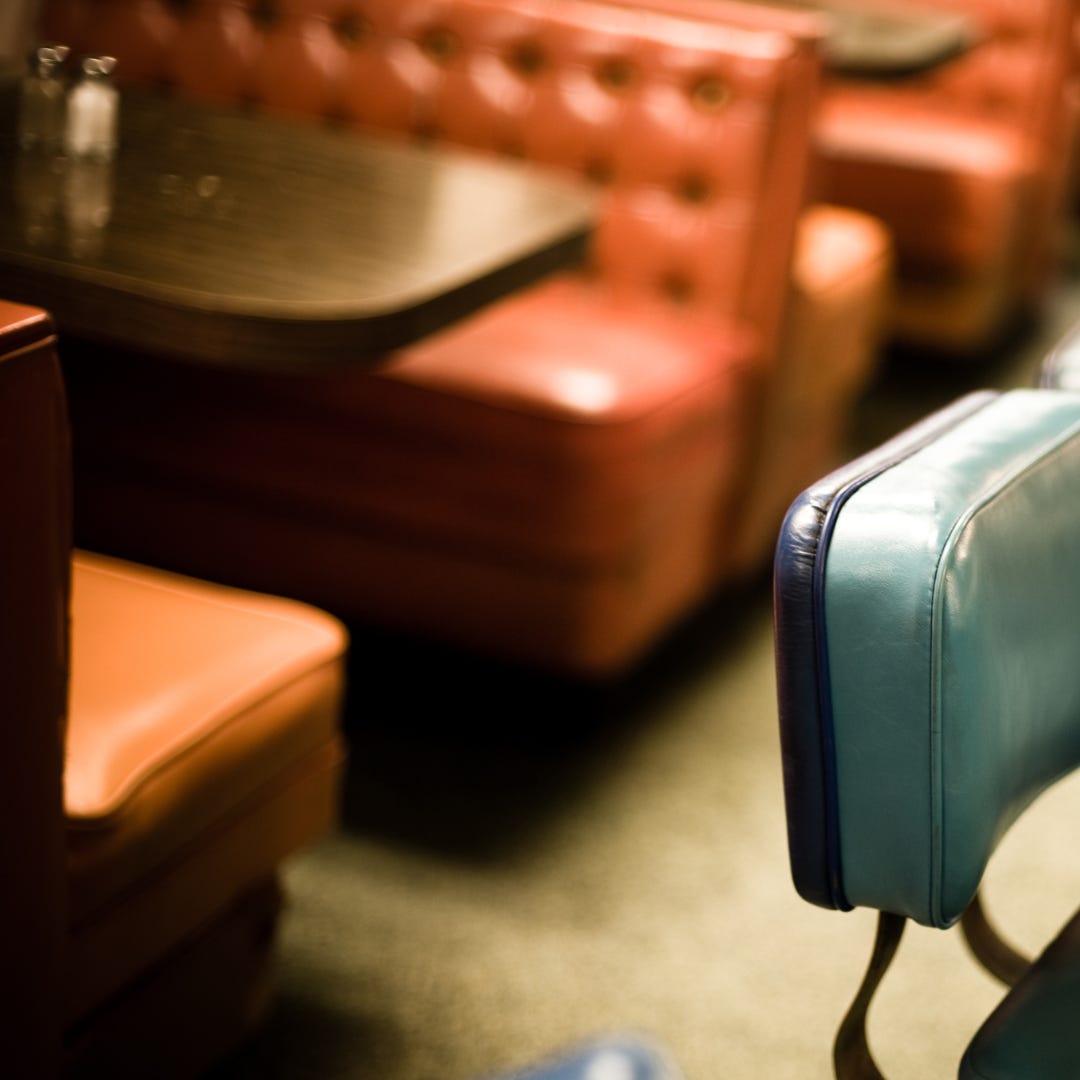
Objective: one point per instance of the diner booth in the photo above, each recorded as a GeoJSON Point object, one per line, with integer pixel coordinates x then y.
{"type": "Point", "coordinates": [557, 478]}
{"type": "Point", "coordinates": [500, 491]}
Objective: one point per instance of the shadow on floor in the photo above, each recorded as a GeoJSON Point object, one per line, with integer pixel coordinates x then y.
{"type": "Point", "coordinates": [306, 1039]}
{"type": "Point", "coordinates": [465, 756]}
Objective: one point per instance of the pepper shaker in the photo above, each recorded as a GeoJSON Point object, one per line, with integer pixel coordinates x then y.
{"type": "Point", "coordinates": [42, 99]}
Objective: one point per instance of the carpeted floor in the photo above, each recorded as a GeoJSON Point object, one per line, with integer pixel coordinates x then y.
{"type": "Point", "coordinates": [522, 865]}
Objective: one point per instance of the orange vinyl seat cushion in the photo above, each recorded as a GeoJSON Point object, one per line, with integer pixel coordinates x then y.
{"type": "Point", "coordinates": [202, 747]}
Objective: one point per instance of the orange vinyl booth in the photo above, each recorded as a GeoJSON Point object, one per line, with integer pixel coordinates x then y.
{"type": "Point", "coordinates": [165, 744]}
{"type": "Point", "coordinates": [969, 164]}
{"type": "Point", "coordinates": [561, 477]}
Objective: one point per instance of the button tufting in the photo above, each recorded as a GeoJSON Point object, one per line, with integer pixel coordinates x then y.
{"type": "Point", "coordinates": [350, 29]}
{"type": "Point", "coordinates": [426, 131]}
{"type": "Point", "coordinates": [694, 188]}
{"type": "Point", "coordinates": [996, 98]}
{"type": "Point", "coordinates": [440, 44]}
{"type": "Point", "coordinates": [599, 171]}
{"type": "Point", "coordinates": [676, 287]}
{"type": "Point", "coordinates": [616, 74]}
{"type": "Point", "coordinates": [710, 94]}
{"type": "Point", "coordinates": [265, 14]}
{"type": "Point", "coordinates": [527, 58]}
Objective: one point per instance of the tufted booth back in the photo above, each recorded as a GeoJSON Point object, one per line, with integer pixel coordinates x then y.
{"type": "Point", "coordinates": [689, 127]}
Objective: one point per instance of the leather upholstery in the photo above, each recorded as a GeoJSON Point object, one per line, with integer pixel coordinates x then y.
{"type": "Point", "coordinates": [1061, 368]}
{"type": "Point", "coordinates": [1033, 1034]}
{"type": "Point", "coordinates": [194, 712]}
{"type": "Point", "coordinates": [159, 776]}
{"type": "Point", "coordinates": [942, 696]}
{"type": "Point", "coordinates": [840, 291]}
{"type": "Point", "coordinates": [969, 164]}
{"type": "Point", "coordinates": [560, 511]}
{"type": "Point", "coordinates": [807, 737]}
{"type": "Point", "coordinates": [699, 136]}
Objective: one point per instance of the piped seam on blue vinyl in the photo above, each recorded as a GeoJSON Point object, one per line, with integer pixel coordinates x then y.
{"type": "Point", "coordinates": [821, 652]}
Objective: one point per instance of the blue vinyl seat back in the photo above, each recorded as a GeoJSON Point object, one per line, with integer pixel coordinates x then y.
{"type": "Point", "coordinates": [927, 605]}
{"type": "Point", "coordinates": [1061, 368]}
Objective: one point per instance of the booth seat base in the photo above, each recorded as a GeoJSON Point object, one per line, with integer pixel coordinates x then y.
{"type": "Point", "coordinates": [959, 196]}
{"type": "Point", "coordinates": [193, 1008]}
{"type": "Point", "coordinates": [555, 480]}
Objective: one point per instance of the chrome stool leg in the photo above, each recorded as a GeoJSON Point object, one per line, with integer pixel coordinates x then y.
{"type": "Point", "coordinates": [988, 947]}
{"type": "Point", "coordinates": [852, 1059]}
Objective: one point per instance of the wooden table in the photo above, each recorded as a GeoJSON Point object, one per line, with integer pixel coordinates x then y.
{"type": "Point", "coordinates": [888, 38]}
{"type": "Point", "coordinates": [243, 241]}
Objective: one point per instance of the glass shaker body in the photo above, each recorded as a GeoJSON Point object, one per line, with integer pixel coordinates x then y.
{"type": "Point", "coordinates": [42, 104]}
{"type": "Point", "coordinates": [92, 111]}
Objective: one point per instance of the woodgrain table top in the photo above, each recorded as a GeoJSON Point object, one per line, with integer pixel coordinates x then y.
{"type": "Point", "coordinates": [221, 238]}
{"type": "Point", "coordinates": [882, 39]}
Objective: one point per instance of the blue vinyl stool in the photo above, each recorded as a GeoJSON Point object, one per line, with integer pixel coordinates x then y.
{"type": "Point", "coordinates": [622, 1057]}
{"type": "Point", "coordinates": [927, 617]}
{"type": "Point", "coordinates": [1061, 368]}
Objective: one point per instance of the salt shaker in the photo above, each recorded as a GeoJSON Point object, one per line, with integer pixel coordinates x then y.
{"type": "Point", "coordinates": [42, 99]}
{"type": "Point", "coordinates": [92, 109]}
